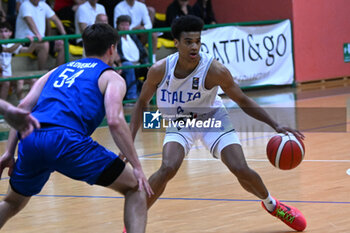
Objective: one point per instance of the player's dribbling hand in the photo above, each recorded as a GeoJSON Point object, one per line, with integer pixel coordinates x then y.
{"type": "Point", "coordinates": [7, 160]}
{"type": "Point", "coordinates": [285, 130]}
{"type": "Point", "coordinates": [142, 181]}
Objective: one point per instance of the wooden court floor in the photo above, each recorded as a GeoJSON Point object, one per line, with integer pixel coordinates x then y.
{"type": "Point", "coordinates": [204, 196]}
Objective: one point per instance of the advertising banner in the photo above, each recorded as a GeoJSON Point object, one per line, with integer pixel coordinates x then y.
{"type": "Point", "coordinates": [255, 55]}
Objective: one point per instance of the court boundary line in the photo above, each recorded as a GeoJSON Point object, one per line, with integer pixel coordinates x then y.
{"type": "Point", "coordinates": [191, 199]}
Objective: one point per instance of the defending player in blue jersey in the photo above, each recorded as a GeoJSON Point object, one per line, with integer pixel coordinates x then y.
{"type": "Point", "coordinates": [70, 102]}
{"type": "Point", "coordinates": [188, 81]}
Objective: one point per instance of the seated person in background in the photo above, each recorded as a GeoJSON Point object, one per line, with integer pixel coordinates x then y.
{"type": "Point", "coordinates": [19, 2]}
{"type": "Point", "coordinates": [176, 9]}
{"type": "Point", "coordinates": [18, 5]}
{"type": "Point", "coordinates": [101, 18]}
{"type": "Point", "coordinates": [65, 10]}
{"type": "Point", "coordinates": [131, 52]}
{"type": "Point", "coordinates": [204, 10]}
{"type": "Point", "coordinates": [6, 58]}
{"type": "Point", "coordinates": [151, 11]}
{"type": "Point", "coordinates": [31, 22]}
{"type": "Point", "coordinates": [140, 19]}
{"type": "Point", "coordinates": [109, 6]}
{"type": "Point", "coordinates": [86, 15]}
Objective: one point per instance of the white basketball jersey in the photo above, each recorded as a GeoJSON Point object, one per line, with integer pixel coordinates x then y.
{"type": "Point", "coordinates": [187, 95]}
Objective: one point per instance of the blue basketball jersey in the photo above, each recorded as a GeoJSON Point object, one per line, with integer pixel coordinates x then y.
{"type": "Point", "coordinates": [71, 97]}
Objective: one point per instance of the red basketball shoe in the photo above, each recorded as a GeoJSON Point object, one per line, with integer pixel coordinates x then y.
{"type": "Point", "coordinates": [289, 215]}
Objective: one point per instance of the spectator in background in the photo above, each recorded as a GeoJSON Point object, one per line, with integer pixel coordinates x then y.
{"type": "Point", "coordinates": [18, 5]}
{"type": "Point", "coordinates": [140, 19]}
{"type": "Point", "coordinates": [136, 10]}
{"type": "Point", "coordinates": [204, 10]}
{"type": "Point", "coordinates": [109, 5]}
{"type": "Point", "coordinates": [6, 58]}
{"type": "Point", "coordinates": [19, 2]}
{"type": "Point", "coordinates": [86, 15]}
{"type": "Point", "coordinates": [31, 22]}
{"type": "Point", "coordinates": [101, 18]}
{"type": "Point", "coordinates": [65, 10]}
{"type": "Point", "coordinates": [176, 9]}
{"type": "Point", "coordinates": [131, 52]}
{"type": "Point", "coordinates": [151, 11]}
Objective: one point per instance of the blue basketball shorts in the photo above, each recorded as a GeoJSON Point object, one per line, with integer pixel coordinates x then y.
{"type": "Point", "coordinates": [59, 149]}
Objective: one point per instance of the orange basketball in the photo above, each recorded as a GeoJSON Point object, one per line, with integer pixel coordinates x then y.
{"type": "Point", "coordinates": [285, 151]}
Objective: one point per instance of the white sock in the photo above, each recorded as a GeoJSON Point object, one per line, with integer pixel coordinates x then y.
{"type": "Point", "coordinates": [269, 203]}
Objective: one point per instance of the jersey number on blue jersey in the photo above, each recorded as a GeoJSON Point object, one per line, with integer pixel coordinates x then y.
{"type": "Point", "coordinates": [68, 77]}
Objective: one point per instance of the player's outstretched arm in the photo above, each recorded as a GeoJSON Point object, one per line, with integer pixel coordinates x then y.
{"type": "Point", "coordinates": [154, 77]}
{"type": "Point", "coordinates": [220, 75]}
{"type": "Point", "coordinates": [113, 87]}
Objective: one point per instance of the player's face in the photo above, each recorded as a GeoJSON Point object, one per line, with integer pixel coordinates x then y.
{"type": "Point", "coordinates": [189, 45]}
{"type": "Point", "coordinates": [113, 51]}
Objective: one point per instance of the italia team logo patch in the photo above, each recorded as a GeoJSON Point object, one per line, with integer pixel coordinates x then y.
{"type": "Point", "coordinates": [151, 120]}
{"type": "Point", "coordinates": [195, 83]}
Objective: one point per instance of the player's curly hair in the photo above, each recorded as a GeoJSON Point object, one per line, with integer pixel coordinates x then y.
{"type": "Point", "coordinates": [187, 23]}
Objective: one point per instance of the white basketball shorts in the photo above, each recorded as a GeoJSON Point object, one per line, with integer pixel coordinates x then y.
{"type": "Point", "coordinates": [214, 139]}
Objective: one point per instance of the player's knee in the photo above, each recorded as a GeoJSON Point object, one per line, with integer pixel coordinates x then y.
{"type": "Point", "coordinates": [168, 171]}
{"type": "Point", "coordinates": [13, 206]}
{"type": "Point", "coordinates": [241, 172]}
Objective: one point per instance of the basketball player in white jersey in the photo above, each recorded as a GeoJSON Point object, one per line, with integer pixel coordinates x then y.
{"type": "Point", "coordinates": [187, 82]}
